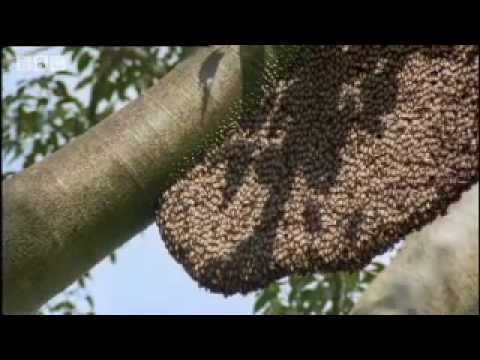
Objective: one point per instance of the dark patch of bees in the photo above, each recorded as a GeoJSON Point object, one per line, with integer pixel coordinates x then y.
{"type": "Point", "coordinates": [350, 149]}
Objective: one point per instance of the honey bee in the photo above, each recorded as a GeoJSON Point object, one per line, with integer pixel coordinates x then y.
{"type": "Point", "coordinates": [307, 145]}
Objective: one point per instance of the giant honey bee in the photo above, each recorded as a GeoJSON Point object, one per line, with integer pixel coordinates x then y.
{"type": "Point", "coordinates": [359, 128]}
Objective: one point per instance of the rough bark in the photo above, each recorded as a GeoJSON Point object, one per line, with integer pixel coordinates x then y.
{"type": "Point", "coordinates": [63, 215]}
{"type": "Point", "coordinates": [436, 272]}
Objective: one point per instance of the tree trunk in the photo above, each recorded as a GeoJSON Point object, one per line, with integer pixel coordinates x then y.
{"type": "Point", "coordinates": [437, 270]}
{"type": "Point", "coordinates": [63, 215]}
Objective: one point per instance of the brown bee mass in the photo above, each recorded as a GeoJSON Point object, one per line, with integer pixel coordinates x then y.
{"type": "Point", "coordinates": [350, 149]}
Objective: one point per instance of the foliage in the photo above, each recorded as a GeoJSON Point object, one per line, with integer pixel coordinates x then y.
{"type": "Point", "coordinates": [8, 56]}
{"type": "Point", "coordinates": [327, 294]}
{"type": "Point", "coordinates": [43, 113]}
{"type": "Point", "coordinates": [72, 301]}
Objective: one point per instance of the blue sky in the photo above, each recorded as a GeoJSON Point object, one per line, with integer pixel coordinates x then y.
{"type": "Point", "coordinates": [145, 279]}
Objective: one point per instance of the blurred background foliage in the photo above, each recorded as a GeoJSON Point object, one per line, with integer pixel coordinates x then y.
{"type": "Point", "coordinates": [45, 112]}
{"type": "Point", "coordinates": [319, 294]}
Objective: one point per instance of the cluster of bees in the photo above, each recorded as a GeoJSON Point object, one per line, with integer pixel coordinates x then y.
{"type": "Point", "coordinates": [350, 149]}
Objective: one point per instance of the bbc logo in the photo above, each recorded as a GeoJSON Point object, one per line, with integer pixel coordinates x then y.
{"type": "Point", "coordinates": [40, 63]}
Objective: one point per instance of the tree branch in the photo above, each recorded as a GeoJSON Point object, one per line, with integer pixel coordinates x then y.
{"type": "Point", "coordinates": [63, 215]}
{"type": "Point", "coordinates": [437, 270]}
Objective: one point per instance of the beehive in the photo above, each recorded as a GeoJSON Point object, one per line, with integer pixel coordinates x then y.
{"type": "Point", "coordinates": [350, 149]}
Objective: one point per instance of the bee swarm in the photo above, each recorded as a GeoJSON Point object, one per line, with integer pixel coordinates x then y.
{"type": "Point", "coordinates": [350, 149]}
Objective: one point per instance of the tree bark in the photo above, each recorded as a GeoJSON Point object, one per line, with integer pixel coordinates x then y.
{"type": "Point", "coordinates": [437, 270]}
{"type": "Point", "coordinates": [63, 215]}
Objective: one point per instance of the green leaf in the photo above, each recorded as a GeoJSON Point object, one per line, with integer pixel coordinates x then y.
{"type": "Point", "coordinates": [70, 127]}
{"type": "Point", "coordinates": [38, 147]}
{"type": "Point", "coordinates": [60, 89]}
{"type": "Point", "coordinates": [264, 298]}
{"type": "Point", "coordinates": [110, 88]}
{"type": "Point", "coordinates": [369, 276]}
{"type": "Point", "coordinates": [347, 306]}
{"type": "Point", "coordinates": [74, 50]}
{"type": "Point", "coordinates": [8, 99]}
{"type": "Point", "coordinates": [84, 82]}
{"type": "Point", "coordinates": [266, 295]}
{"type": "Point", "coordinates": [351, 281]}
{"type": "Point", "coordinates": [53, 141]}
{"type": "Point", "coordinates": [378, 267]}
{"type": "Point", "coordinates": [291, 311]}
{"type": "Point", "coordinates": [276, 308]}
{"type": "Point", "coordinates": [89, 300]}
{"type": "Point", "coordinates": [30, 122]}
{"type": "Point", "coordinates": [42, 101]}
{"type": "Point", "coordinates": [123, 86]}
{"type": "Point", "coordinates": [20, 91]}
{"type": "Point", "coordinates": [84, 61]}
{"type": "Point", "coordinates": [29, 159]}
{"type": "Point", "coordinates": [64, 73]}
{"type": "Point", "coordinates": [43, 82]}
{"type": "Point", "coordinates": [63, 305]}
